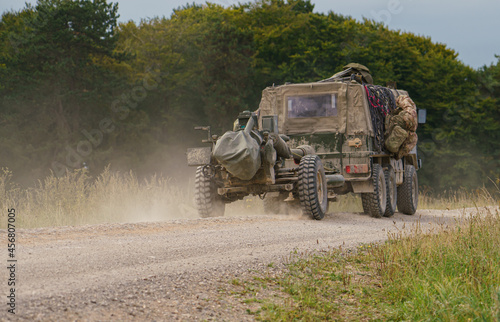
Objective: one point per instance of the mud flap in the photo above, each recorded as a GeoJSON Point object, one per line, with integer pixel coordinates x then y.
{"type": "Point", "coordinates": [362, 186]}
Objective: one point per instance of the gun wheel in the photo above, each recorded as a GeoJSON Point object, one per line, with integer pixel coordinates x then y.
{"type": "Point", "coordinates": [312, 188]}
{"type": "Point", "coordinates": [207, 201]}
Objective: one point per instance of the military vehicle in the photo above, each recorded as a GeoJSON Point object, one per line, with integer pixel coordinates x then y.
{"type": "Point", "coordinates": [308, 143]}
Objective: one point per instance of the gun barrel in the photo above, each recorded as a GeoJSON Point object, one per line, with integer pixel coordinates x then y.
{"type": "Point", "coordinates": [302, 151]}
{"type": "Point", "coordinates": [335, 180]}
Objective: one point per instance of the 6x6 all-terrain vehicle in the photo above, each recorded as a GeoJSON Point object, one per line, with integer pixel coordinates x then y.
{"type": "Point", "coordinates": [309, 142]}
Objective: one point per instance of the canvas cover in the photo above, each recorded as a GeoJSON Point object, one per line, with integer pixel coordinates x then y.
{"type": "Point", "coordinates": [351, 115]}
{"type": "Point", "coordinates": [239, 153]}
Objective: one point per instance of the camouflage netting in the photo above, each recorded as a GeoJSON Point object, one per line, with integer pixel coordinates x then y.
{"type": "Point", "coordinates": [401, 124]}
{"type": "Point", "coordinates": [382, 102]}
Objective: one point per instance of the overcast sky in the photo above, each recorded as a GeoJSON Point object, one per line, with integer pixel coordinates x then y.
{"type": "Point", "coordinates": [469, 27]}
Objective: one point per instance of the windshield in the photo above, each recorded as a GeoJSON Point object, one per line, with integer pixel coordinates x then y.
{"type": "Point", "coordinates": [312, 105]}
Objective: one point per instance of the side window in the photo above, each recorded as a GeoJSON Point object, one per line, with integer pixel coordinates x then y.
{"type": "Point", "coordinates": [312, 105]}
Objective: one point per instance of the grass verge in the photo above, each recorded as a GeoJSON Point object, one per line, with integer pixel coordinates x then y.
{"type": "Point", "coordinates": [448, 273]}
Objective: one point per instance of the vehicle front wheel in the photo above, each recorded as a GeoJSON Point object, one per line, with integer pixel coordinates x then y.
{"type": "Point", "coordinates": [376, 202]}
{"type": "Point", "coordinates": [313, 194]}
{"type": "Point", "coordinates": [207, 200]}
{"type": "Point", "coordinates": [408, 192]}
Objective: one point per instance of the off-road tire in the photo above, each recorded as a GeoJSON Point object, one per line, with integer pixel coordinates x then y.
{"type": "Point", "coordinates": [207, 201]}
{"type": "Point", "coordinates": [313, 194]}
{"type": "Point", "coordinates": [376, 202]}
{"type": "Point", "coordinates": [392, 192]}
{"type": "Point", "coordinates": [408, 192]}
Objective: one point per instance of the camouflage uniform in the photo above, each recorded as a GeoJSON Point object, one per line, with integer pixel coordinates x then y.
{"type": "Point", "coordinates": [400, 126]}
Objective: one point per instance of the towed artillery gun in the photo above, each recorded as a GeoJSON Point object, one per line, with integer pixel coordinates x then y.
{"type": "Point", "coordinates": [308, 143]}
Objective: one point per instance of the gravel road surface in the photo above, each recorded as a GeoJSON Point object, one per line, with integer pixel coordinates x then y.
{"type": "Point", "coordinates": [175, 270]}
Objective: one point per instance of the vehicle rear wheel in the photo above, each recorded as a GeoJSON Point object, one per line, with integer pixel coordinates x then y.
{"type": "Point", "coordinates": [376, 202]}
{"type": "Point", "coordinates": [207, 200]}
{"type": "Point", "coordinates": [408, 192]}
{"type": "Point", "coordinates": [313, 194]}
{"type": "Point", "coordinates": [392, 192]}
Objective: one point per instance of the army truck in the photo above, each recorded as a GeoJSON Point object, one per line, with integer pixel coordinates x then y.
{"type": "Point", "coordinates": [308, 143]}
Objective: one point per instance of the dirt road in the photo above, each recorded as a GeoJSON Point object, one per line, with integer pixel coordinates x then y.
{"type": "Point", "coordinates": [170, 270]}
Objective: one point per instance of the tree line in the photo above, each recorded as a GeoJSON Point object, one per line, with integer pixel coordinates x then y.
{"type": "Point", "coordinates": [77, 86]}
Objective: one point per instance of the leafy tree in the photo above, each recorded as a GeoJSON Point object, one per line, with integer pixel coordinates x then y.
{"type": "Point", "coordinates": [66, 65]}
{"type": "Point", "coordinates": [205, 56]}
{"type": "Point", "coordinates": [58, 77]}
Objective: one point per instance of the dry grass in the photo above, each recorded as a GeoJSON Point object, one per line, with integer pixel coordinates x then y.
{"type": "Point", "coordinates": [77, 199]}
{"type": "Point", "coordinates": [457, 199]}
{"type": "Point", "coordinates": [454, 199]}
